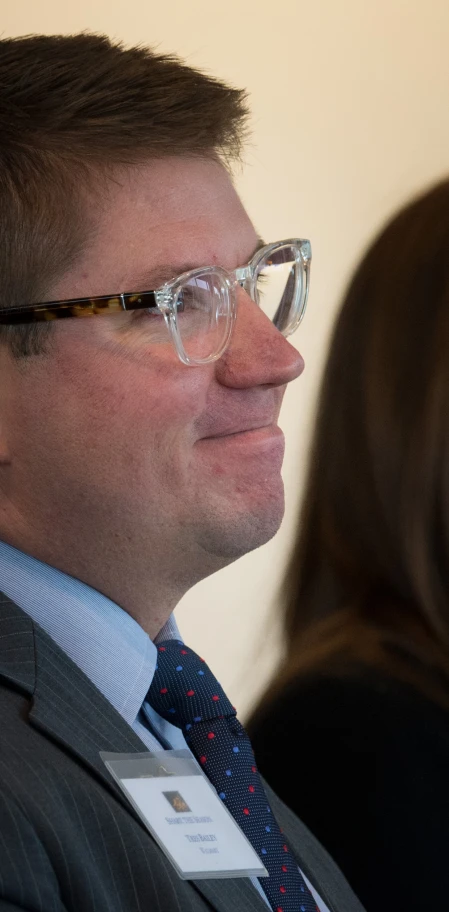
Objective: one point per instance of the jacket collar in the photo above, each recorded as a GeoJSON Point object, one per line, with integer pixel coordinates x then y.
{"type": "Point", "coordinates": [68, 709]}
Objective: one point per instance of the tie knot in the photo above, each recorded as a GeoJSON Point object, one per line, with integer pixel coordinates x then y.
{"type": "Point", "coordinates": [184, 691]}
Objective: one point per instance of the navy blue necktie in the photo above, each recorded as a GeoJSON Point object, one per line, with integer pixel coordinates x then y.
{"type": "Point", "coordinates": [185, 692]}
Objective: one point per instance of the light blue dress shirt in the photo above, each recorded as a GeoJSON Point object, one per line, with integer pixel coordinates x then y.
{"type": "Point", "coordinates": [103, 640]}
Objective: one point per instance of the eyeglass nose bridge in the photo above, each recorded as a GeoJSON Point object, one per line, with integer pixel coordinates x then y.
{"type": "Point", "coordinates": [243, 275]}
{"type": "Point", "coordinates": [244, 279]}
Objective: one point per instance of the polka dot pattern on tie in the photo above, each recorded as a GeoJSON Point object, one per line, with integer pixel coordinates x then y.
{"type": "Point", "coordinates": [185, 692]}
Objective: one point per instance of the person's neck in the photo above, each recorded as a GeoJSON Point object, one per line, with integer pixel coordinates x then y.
{"type": "Point", "coordinates": [145, 580]}
{"type": "Point", "coordinates": [148, 598]}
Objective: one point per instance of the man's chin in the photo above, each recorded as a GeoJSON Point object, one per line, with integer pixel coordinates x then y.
{"type": "Point", "coordinates": [231, 534]}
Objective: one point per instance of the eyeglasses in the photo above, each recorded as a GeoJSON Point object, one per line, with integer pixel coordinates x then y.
{"type": "Point", "coordinates": [199, 306]}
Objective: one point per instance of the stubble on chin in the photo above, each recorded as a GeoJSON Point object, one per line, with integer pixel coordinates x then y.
{"type": "Point", "coordinates": [233, 529]}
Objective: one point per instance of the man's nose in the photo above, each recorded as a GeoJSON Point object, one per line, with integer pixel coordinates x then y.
{"type": "Point", "coordinates": [258, 354]}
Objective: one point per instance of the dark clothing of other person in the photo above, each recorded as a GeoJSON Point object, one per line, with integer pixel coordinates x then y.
{"type": "Point", "coordinates": [368, 773]}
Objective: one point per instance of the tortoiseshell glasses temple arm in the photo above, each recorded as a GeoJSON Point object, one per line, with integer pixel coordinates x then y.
{"type": "Point", "coordinates": [78, 307]}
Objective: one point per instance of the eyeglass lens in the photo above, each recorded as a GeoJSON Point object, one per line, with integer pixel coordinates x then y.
{"type": "Point", "coordinates": [203, 311]}
{"type": "Point", "coordinates": [203, 315]}
{"type": "Point", "coordinates": [279, 287]}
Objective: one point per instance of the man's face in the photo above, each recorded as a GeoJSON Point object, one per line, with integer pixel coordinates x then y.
{"type": "Point", "coordinates": [116, 448]}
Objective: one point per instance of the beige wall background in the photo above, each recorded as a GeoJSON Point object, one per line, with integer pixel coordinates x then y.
{"type": "Point", "coordinates": [350, 117]}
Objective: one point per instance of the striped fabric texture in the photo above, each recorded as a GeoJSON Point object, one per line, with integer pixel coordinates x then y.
{"type": "Point", "coordinates": [185, 690]}
{"type": "Point", "coordinates": [69, 841]}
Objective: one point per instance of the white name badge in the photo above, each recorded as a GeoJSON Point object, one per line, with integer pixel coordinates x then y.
{"type": "Point", "coordinates": [184, 814]}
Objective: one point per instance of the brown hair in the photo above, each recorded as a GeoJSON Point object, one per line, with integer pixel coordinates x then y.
{"type": "Point", "coordinates": [368, 579]}
{"type": "Point", "coordinates": [70, 108]}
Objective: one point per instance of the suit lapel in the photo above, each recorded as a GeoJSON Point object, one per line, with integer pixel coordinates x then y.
{"type": "Point", "coordinates": [68, 708]}
{"type": "Point", "coordinates": [17, 663]}
{"type": "Point", "coordinates": [65, 705]}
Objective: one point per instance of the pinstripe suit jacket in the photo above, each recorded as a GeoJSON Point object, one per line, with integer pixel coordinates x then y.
{"type": "Point", "coordinates": [69, 841]}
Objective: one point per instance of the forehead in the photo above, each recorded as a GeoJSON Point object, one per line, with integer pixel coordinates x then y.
{"type": "Point", "coordinates": [173, 213]}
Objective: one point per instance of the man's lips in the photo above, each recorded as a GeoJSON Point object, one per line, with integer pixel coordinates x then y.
{"type": "Point", "coordinates": [260, 436]}
{"type": "Point", "coordinates": [234, 431]}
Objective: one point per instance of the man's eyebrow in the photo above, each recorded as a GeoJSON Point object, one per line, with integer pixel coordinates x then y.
{"type": "Point", "coordinates": [260, 243]}
{"type": "Point", "coordinates": [166, 272]}
{"type": "Point", "coordinates": [159, 275]}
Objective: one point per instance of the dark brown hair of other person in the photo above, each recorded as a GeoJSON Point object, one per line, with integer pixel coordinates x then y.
{"type": "Point", "coordinates": [368, 579]}
{"type": "Point", "coordinates": [71, 109]}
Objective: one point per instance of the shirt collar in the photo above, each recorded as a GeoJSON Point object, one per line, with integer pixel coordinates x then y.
{"type": "Point", "coordinates": [103, 640]}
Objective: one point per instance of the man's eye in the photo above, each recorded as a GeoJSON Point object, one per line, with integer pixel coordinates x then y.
{"type": "Point", "coordinates": [152, 312]}
{"type": "Point", "coordinates": [190, 299]}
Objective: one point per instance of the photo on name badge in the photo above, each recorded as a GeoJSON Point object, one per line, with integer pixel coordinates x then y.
{"type": "Point", "coordinates": [177, 802]}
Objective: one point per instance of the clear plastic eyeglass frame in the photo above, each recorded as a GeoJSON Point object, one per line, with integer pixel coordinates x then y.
{"type": "Point", "coordinates": [245, 277]}
{"type": "Point", "coordinates": [166, 299]}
